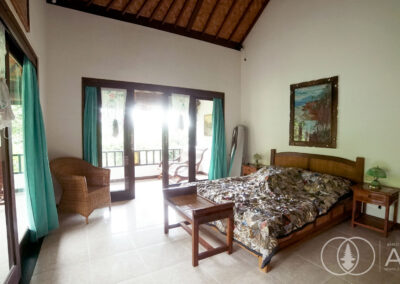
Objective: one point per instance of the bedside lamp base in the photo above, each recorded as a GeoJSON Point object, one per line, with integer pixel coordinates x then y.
{"type": "Point", "coordinates": [375, 184]}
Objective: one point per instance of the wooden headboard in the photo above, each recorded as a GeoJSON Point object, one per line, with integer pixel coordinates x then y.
{"type": "Point", "coordinates": [352, 170]}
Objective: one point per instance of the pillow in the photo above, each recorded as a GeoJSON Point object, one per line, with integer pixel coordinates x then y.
{"type": "Point", "coordinates": [318, 183]}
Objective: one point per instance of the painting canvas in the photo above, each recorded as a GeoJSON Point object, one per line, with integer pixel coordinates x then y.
{"type": "Point", "coordinates": [208, 125]}
{"type": "Point", "coordinates": [313, 113]}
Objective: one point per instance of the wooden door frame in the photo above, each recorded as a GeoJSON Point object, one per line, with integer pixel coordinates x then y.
{"type": "Point", "coordinates": [194, 95]}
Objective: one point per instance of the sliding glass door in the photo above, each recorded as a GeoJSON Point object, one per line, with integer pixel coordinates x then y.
{"type": "Point", "coordinates": [151, 132]}
{"type": "Point", "coordinates": [178, 138]}
{"type": "Point", "coordinates": [204, 110]}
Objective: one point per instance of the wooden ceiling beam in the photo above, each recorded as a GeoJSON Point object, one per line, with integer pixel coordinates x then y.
{"type": "Point", "coordinates": [110, 4]}
{"type": "Point", "coordinates": [241, 19]}
{"type": "Point", "coordinates": [226, 17]}
{"type": "Point", "coordinates": [89, 2]}
{"type": "Point", "coordinates": [193, 17]}
{"type": "Point", "coordinates": [169, 10]}
{"type": "Point", "coordinates": [255, 20]}
{"type": "Point", "coordinates": [141, 9]}
{"type": "Point", "coordinates": [210, 16]}
{"type": "Point", "coordinates": [181, 12]}
{"type": "Point", "coordinates": [127, 6]}
{"type": "Point", "coordinates": [144, 21]}
{"type": "Point", "coordinates": [155, 10]}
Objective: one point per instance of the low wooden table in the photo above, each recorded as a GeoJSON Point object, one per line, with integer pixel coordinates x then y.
{"type": "Point", "coordinates": [197, 210]}
{"type": "Point", "coordinates": [385, 196]}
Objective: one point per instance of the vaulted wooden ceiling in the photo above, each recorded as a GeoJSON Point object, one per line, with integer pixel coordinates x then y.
{"type": "Point", "coordinates": [223, 22]}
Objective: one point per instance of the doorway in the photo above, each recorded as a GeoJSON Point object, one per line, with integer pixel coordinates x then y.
{"type": "Point", "coordinates": [151, 132]}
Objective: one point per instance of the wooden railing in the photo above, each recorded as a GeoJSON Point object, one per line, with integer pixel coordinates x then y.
{"type": "Point", "coordinates": [115, 158]}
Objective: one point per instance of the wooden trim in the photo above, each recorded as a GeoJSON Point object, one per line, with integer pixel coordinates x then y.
{"type": "Point", "coordinates": [192, 139]}
{"type": "Point", "coordinates": [160, 25]}
{"type": "Point", "coordinates": [233, 4]}
{"type": "Point", "coordinates": [255, 21]}
{"type": "Point", "coordinates": [210, 16]}
{"type": "Point", "coordinates": [13, 27]}
{"type": "Point", "coordinates": [25, 22]}
{"type": "Point", "coordinates": [241, 19]}
{"type": "Point", "coordinates": [193, 17]}
{"type": "Point", "coordinates": [199, 94]}
{"type": "Point", "coordinates": [334, 83]}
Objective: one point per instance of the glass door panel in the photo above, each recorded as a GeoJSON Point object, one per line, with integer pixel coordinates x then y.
{"type": "Point", "coordinates": [4, 260]}
{"type": "Point", "coordinates": [148, 116]}
{"type": "Point", "coordinates": [113, 103]}
{"type": "Point", "coordinates": [17, 141]}
{"type": "Point", "coordinates": [204, 109]}
{"type": "Point", "coordinates": [178, 138]}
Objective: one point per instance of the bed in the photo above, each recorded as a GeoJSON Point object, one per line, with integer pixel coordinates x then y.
{"type": "Point", "coordinates": [279, 206]}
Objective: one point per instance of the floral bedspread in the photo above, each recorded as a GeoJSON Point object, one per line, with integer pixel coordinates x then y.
{"type": "Point", "coordinates": [273, 202]}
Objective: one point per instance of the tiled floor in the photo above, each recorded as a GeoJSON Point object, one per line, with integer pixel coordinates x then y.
{"type": "Point", "coordinates": [128, 246]}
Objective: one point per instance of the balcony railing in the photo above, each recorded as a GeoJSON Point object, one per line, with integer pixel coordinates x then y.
{"type": "Point", "coordinates": [115, 158]}
{"type": "Point", "coordinates": [18, 163]}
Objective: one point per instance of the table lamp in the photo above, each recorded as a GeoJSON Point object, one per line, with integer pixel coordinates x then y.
{"type": "Point", "coordinates": [376, 173]}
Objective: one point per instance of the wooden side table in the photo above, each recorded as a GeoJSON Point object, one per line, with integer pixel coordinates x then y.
{"type": "Point", "coordinates": [248, 169]}
{"type": "Point", "coordinates": [386, 196]}
{"type": "Point", "coordinates": [197, 210]}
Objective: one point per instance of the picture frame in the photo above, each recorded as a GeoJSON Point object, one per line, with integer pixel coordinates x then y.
{"type": "Point", "coordinates": [22, 9]}
{"type": "Point", "coordinates": [313, 113]}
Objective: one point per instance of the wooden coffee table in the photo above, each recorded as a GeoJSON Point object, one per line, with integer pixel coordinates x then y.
{"type": "Point", "coordinates": [197, 210]}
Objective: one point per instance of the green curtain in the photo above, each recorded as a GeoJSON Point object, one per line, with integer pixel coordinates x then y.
{"type": "Point", "coordinates": [218, 166]}
{"type": "Point", "coordinates": [42, 212]}
{"type": "Point", "coordinates": [90, 126]}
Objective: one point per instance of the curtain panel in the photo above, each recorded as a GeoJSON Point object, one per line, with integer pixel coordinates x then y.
{"type": "Point", "coordinates": [90, 153]}
{"type": "Point", "coordinates": [218, 165]}
{"type": "Point", "coordinates": [42, 212]}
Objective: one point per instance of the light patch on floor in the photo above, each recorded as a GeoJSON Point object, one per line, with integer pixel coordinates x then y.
{"type": "Point", "coordinates": [128, 245]}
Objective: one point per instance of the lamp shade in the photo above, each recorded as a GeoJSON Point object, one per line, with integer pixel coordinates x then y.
{"type": "Point", "coordinates": [376, 172]}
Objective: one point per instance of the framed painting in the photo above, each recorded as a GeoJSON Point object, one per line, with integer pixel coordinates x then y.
{"type": "Point", "coordinates": [313, 113]}
{"type": "Point", "coordinates": [22, 9]}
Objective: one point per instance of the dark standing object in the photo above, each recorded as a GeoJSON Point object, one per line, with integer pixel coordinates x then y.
{"type": "Point", "coordinates": [385, 197]}
{"type": "Point", "coordinates": [313, 113]}
{"type": "Point", "coordinates": [22, 9]}
{"type": "Point", "coordinates": [222, 22]}
{"type": "Point", "coordinates": [197, 210]}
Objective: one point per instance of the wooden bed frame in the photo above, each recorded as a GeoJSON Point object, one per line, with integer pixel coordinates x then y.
{"type": "Point", "coordinates": [352, 170]}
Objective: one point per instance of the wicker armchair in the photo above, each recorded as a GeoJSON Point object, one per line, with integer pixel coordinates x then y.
{"type": "Point", "coordinates": [84, 186]}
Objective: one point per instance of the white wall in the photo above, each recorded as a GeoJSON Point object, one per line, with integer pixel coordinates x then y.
{"type": "Point", "coordinates": [37, 38]}
{"type": "Point", "coordinates": [83, 45]}
{"type": "Point", "coordinates": [295, 41]}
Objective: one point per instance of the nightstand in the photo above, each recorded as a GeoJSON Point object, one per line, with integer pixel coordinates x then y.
{"type": "Point", "coordinates": [386, 196]}
{"type": "Point", "coordinates": [248, 169]}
